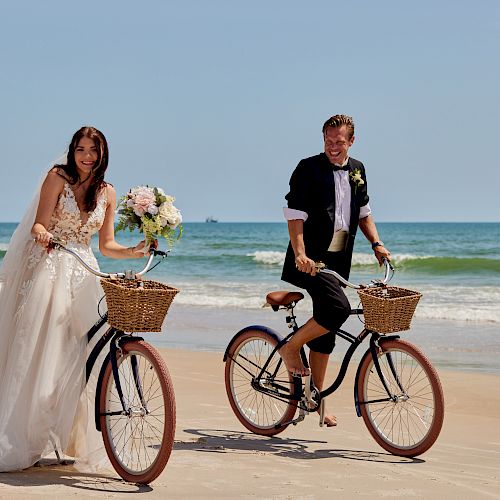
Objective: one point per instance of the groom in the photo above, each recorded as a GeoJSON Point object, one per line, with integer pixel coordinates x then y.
{"type": "Point", "coordinates": [327, 202]}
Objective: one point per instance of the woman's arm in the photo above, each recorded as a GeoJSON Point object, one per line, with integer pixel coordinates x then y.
{"type": "Point", "coordinates": [52, 187]}
{"type": "Point", "coordinates": [107, 243]}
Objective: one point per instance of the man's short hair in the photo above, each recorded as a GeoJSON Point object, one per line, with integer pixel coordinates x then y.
{"type": "Point", "coordinates": [339, 120]}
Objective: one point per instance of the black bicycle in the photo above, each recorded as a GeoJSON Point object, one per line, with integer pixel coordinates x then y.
{"type": "Point", "coordinates": [134, 401]}
{"type": "Point", "coordinates": [396, 389]}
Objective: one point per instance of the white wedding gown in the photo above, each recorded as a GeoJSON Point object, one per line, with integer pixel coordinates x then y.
{"type": "Point", "coordinates": [48, 301]}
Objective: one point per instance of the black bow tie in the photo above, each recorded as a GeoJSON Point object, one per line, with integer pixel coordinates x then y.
{"type": "Point", "coordinates": [337, 167]}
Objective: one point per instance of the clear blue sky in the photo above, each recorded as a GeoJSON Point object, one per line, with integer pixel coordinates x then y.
{"type": "Point", "coordinates": [217, 101]}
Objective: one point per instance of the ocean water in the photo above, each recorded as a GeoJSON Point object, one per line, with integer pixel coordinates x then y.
{"type": "Point", "coordinates": [455, 265]}
{"type": "Point", "coordinates": [232, 266]}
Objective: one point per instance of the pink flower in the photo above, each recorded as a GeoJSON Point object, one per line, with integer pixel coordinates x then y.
{"type": "Point", "coordinates": [141, 201]}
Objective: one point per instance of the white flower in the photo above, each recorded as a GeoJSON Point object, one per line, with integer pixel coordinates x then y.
{"type": "Point", "coordinates": [356, 178]}
{"type": "Point", "coordinates": [169, 215]}
{"type": "Point", "coordinates": [153, 209]}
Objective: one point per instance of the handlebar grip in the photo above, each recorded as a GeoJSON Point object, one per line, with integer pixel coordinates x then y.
{"type": "Point", "coordinates": [159, 253]}
{"type": "Point", "coordinates": [56, 243]}
{"type": "Point", "coordinates": [388, 264]}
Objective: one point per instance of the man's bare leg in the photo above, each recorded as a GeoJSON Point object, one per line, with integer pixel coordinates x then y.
{"type": "Point", "coordinates": [319, 364]}
{"type": "Point", "coordinates": [290, 352]}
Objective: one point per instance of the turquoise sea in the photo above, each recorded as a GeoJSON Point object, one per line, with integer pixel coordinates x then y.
{"type": "Point", "coordinates": [229, 267]}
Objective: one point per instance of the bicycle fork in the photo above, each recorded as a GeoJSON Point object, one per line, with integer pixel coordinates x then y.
{"type": "Point", "coordinates": [116, 351]}
{"type": "Point", "coordinates": [373, 351]}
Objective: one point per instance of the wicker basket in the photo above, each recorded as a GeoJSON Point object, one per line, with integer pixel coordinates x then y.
{"type": "Point", "coordinates": [137, 305]}
{"type": "Point", "coordinates": [388, 309]}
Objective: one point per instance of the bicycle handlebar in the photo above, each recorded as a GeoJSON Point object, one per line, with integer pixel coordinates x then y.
{"type": "Point", "coordinates": [59, 245]}
{"type": "Point", "coordinates": [389, 273]}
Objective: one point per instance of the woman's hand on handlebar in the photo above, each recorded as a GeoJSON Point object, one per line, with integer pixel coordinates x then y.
{"type": "Point", "coordinates": [305, 264]}
{"type": "Point", "coordinates": [43, 239]}
{"type": "Point", "coordinates": [139, 249]}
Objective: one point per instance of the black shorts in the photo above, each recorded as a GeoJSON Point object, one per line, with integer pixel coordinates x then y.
{"type": "Point", "coordinates": [331, 309]}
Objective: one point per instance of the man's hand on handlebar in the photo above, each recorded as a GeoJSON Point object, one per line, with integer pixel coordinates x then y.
{"type": "Point", "coordinates": [381, 254]}
{"type": "Point", "coordinates": [305, 265]}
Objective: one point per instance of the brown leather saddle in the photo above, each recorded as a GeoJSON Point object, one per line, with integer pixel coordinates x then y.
{"type": "Point", "coordinates": [283, 299]}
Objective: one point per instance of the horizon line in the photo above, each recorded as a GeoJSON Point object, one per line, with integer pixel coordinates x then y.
{"type": "Point", "coordinates": [284, 222]}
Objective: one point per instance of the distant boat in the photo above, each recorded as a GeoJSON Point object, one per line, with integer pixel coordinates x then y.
{"type": "Point", "coordinates": [211, 219]}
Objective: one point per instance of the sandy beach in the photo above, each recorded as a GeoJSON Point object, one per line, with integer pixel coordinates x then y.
{"type": "Point", "coordinates": [215, 457]}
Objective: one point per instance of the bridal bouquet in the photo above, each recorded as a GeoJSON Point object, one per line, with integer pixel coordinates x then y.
{"type": "Point", "coordinates": [152, 212]}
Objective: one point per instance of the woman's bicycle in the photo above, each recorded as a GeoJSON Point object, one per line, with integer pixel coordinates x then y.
{"type": "Point", "coordinates": [134, 400]}
{"type": "Point", "coordinates": [396, 389]}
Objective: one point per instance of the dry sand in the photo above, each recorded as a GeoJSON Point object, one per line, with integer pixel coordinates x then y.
{"type": "Point", "coordinates": [214, 456]}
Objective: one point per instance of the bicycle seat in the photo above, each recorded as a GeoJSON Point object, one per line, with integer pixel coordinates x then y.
{"type": "Point", "coordinates": [283, 298]}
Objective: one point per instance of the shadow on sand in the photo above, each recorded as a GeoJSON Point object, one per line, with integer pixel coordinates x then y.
{"type": "Point", "coordinates": [223, 441]}
{"type": "Point", "coordinates": [51, 472]}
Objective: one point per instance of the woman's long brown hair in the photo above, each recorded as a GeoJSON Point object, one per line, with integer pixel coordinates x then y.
{"type": "Point", "coordinates": [70, 173]}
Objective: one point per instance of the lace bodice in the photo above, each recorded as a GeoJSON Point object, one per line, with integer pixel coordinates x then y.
{"type": "Point", "coordinates": [66, 222]}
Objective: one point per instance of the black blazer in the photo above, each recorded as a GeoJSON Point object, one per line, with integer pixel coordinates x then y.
{"type": "Point", "coordinates": [312, 190]}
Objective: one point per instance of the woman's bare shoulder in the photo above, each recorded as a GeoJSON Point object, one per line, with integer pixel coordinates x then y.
{"type": "Point", "coordinates": [110, 190]}
{"type": "Point", "coordinates": [55, 180]}
{"type": "Point", "coordinates": [110, 194]}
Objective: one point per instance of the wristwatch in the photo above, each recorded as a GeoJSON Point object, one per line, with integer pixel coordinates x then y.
{"type": "Point", "coordinates": [377, 244]}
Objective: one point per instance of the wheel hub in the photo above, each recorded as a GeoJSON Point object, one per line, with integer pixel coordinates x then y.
{"type": "Point", "coordinates": [402, 398]}
{"type": "Point", "coordinates": [137, 412]}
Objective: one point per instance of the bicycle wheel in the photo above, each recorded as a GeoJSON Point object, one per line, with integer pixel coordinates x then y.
{"type": "Point", "coordinates": [259, 412]}
{"type": "Point", "coordinates": [138, 442]}
{"type": "Point", "coordinates": [408, 423]}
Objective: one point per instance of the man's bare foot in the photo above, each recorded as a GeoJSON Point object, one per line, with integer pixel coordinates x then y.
{"type": "Point", "coordinates": [292, 360]}
{"type": "Point", "coordinates": [330, 420]}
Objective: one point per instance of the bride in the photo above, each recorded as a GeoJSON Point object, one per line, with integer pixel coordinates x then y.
{"type": "Point", "coordinates": [47, 304]}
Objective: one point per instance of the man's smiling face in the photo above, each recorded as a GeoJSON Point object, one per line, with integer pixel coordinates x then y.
{"type": "Point", "coordinates": [337, 144]}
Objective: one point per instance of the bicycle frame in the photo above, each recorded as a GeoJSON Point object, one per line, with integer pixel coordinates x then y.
{"type": "Point", "coordinates": [355, 342]}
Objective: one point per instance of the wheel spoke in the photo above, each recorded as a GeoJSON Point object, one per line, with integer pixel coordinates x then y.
{"type": "Point", "coordinates": [140, 441]}
{"type": "Point", "coordinates": [412, 419]}
{"type": "Point", "coordinates": [259, 411]}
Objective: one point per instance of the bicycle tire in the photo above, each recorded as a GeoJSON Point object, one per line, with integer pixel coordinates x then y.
{"type": "Point", "coordinates": [409, 425]}
{"type": "Point", "coordinates": [138, 445]}
{"type": "Point", "coordinates": [260, 413]}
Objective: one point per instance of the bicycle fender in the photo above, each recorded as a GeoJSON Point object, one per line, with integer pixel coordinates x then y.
{"type": "Point", "coordinates": [381, 340]}
{"type": "Point", "coordinates": [261, 328]}
{"type": "Point", "coordinates": [99, 388]}
{"type": "Point", "coordinates": [97, 411]}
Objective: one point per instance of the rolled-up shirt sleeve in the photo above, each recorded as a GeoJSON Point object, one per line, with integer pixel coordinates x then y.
{"type": "Point", "coordinates": [293, 214]}
{"type": "Point", "coordinates": [365, 211]}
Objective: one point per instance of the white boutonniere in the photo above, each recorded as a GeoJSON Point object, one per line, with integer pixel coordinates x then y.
{"type": "Point", "coordinates": [356, 178]}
